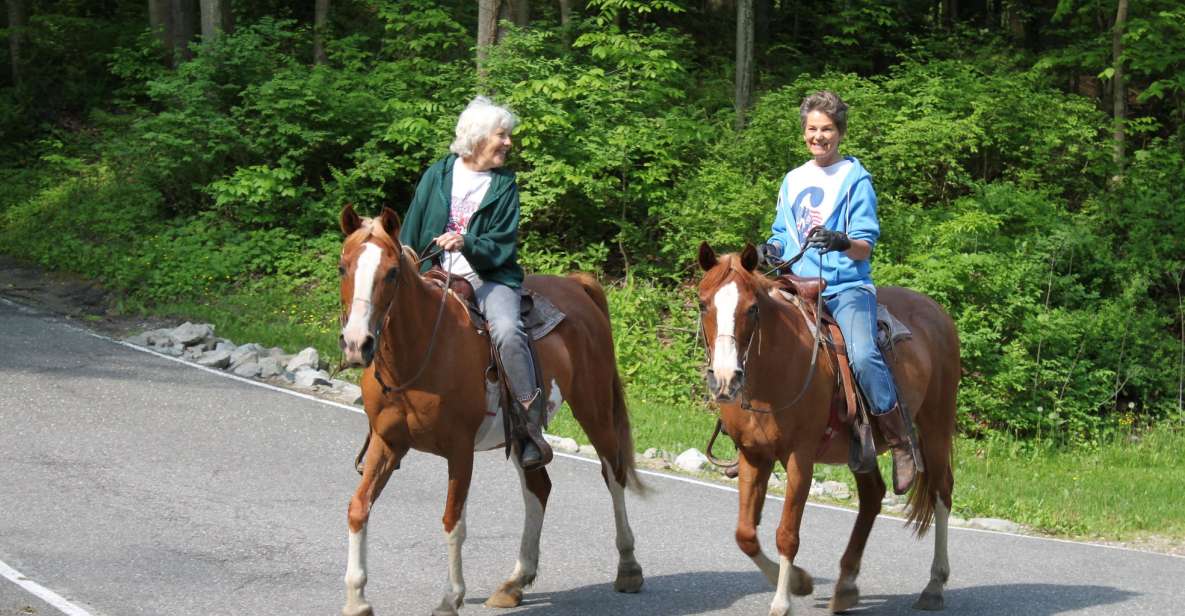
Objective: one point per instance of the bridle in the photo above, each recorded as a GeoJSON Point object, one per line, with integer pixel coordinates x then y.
{"type": "Point", "coordinates": [381, 325]}
{"type": "Point", "coordinates": [743, 359]}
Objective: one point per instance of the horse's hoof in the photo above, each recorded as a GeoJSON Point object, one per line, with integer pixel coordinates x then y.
{"type": "Point", "coordinates": [801, 583]}
{"type": "Point", "coordinates": [362, 609]}
{"type": "Point", "coordinates": [845, 599]}
{"type": "Point", "coordinates": [508, 595]}
{"type": "Point", "coordinates": [779, 608]}
{"type": "Point", "coordinates": [930, 602]}
{"type": "Point", "coordinates": [449, 604]}
{"type": "Point", "coordinates": [629, 579]}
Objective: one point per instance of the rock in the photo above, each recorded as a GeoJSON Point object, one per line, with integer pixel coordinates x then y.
{"type": "Point", "coordinates": [223, 345]}
{"type": "Point", "coordinates": [310, 377]}
{"type": "Point", "coordinates": [191, 333]}
{"type": "Point", "coordinates": [192, 353]}
{"type": "Point", "coordinates": [214, 359]}
{"type": "Point", "coordinates": [269, 367]}
{"type": "Point", "coordinates": [775, 481]}
{"type": "Point", "coordinates": [836, 490]}
{"type": "Point", "coordinates": [347, 390]}
{"type": "Point", "coordinates": [138, 340]}
{"type": "Point", "coordinates": [651, 453]}
{"type": "Point", "coordinates": [896, 508]}
{"type": "Point", "coordinates": [955, 520]}
{"type": "Point", "coordinates": [173, 350]}
{"type": "Point", "coordinates": [691, 460]}
{"type": "Point", "coordinates": [247, 353]}
{"type": "Point", "coordinates": [816, 487]}
{"type": "Point", "coordinates": [306, 359]}
{"type": "Point", "coordinates": [160, 338]}
{"type": "Point", "coordinates": [994, 524]}
{"type": "Point", "coordinates": [560, 443]}
{"type": "Point", "coordinates": [247, 369]}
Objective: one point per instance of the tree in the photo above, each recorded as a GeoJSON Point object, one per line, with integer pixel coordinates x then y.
{"type": "Point", "coordinates": [216, 19]}
{"type": "Point", "coordinates": [487, 28]}
{"type": "Point", "coordinates": [1118, 85]}
{"type": "Point", "coordinates": [16, 35]}
{"type": "Point", "coordinates": [320, 22]}
{"type": "Point", "coordinates": [183, 18]}
{"type": "Point", "coordinates": [744, 68]}
{"type": "Point", "coordinates": [160, 19]}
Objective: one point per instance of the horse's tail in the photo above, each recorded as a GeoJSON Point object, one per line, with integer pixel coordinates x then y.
{"type": "Point", "coordinates": [929, 485]}
{"type": "Point", "coordinates": [624, 465]}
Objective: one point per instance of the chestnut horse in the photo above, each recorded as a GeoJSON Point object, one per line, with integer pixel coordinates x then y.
{"type": "Point", "coordinates": [761, 349]}
{"type": "Point", "coordinates": [424, 388]}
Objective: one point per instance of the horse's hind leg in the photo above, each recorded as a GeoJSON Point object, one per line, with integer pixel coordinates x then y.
{"type": "Point", "coordinates": [629, 572]}
{"type": "Point", "coordinates": [381, 460]}
{"type": "Point", "coordinates": [871, 488]}
{"type": "Point", "coordinates": [536, 487]}
{"type": "Point", "coordinates": [939, 480]}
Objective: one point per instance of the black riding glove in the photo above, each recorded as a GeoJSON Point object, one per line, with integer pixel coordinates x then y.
{"type": "Point", "coordinates": [769, 254]}
{"type": "Point", "coordinates": [827, 240]}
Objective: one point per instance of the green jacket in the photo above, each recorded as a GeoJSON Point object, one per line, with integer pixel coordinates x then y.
{"type": "Point", "coordinates": [491, 240]}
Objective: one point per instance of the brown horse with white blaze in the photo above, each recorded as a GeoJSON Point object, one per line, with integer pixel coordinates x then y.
{"type": "Point", "coordinates": [761, 351]}
{"type": "Point", "coordinates": [423, 388]}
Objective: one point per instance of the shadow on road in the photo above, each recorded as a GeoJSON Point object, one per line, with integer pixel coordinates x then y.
{"type": "Point", "coordinates": [1027, 599]}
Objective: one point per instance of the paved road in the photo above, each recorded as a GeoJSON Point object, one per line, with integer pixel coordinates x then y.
{"type": "Point", "coordinates": [133, 484]}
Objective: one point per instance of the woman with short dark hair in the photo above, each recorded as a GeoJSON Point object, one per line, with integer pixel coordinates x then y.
{"type": "Point", "coordinates": [828, 204]}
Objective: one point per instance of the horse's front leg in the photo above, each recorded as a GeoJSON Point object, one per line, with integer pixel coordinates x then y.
{"type": "Point", "coordinates": [752, 483]}
{"type": "Point", "coordinates": [536, 487]}
{"type": "Point", "coordinates": [791, 579]}
{"type": "Point", "coordinates": [460, 471]}
{"type": "Point", "coordinates": [381, 460]}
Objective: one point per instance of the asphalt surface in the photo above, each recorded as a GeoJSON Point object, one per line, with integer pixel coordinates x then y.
{"type": "Point", "coordinates": [134, 484]}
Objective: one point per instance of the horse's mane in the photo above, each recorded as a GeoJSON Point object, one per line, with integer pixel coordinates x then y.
{"type": "Point", "coordinates": [730, 264]}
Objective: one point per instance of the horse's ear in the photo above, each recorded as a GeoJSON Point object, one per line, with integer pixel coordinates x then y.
{"type": "Point", "coordinates": [390, 222]}
{"type": "Point", "coordinates": [707, 256]}
{"type": "Point", "coordinates": [350, 221]}
{"type": "Point", "coordinates": [749, 257]}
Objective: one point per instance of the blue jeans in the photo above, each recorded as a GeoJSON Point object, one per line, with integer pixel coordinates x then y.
{"type": "Point", "coordinates": [855, 311]}
{"type": "Point", "coordinates": [500, 304]}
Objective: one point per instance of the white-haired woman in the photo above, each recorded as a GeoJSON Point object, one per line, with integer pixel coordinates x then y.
{"type": "Point", "coordinates": [467, 204]}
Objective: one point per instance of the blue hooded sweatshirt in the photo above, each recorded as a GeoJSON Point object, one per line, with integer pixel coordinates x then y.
{"type": "Point", "coordinates": [854, 214]}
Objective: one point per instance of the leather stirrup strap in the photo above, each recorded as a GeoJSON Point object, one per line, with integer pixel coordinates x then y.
{"type": "Point", "coordinates": [845, 369]}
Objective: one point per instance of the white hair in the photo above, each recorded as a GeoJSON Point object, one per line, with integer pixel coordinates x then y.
{"type": "Point", "coordinates": [480, 118]}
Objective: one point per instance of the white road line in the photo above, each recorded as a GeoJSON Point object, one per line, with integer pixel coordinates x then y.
{"type": "Point", "coordinates": [73, 610]}
{"type": "Point", "coordinates": [58, 601]}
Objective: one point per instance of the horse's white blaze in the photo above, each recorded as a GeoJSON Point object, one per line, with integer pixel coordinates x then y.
{"type": "Point", "coordinates": [724, 354]}
{"type": "Point", "coordinates": [356, 569]}
{"type": "Point", "coordinates": [357, 326]}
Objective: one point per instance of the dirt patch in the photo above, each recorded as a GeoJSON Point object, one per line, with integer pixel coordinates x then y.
{"type": "Point", "coordinates": [71, 297]}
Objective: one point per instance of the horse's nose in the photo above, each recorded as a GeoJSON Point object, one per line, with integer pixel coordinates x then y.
{"type": "Point", "coordinates": [725, 387]}
{"type": "Point", "coordinates": [357, 351]}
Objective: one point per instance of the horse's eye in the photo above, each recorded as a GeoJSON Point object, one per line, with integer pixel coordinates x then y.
{"type": "Point", "coordinates": [391, 274]}
{"type": "Point", "coordinates": [702, 306]}
{"type": "Point", "coordinates": [752, 311]}
{"type": "Point", "coordinates": [341, 270]}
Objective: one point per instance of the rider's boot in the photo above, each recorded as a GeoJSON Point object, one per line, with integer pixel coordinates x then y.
{"type": "Point", "coordinates": [897, 429]}
{"type": "Point", "coordinates": [534, 452]}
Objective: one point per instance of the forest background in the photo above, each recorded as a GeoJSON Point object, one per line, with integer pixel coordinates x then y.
{"type": "Point", "coordinates": [1028, 156]}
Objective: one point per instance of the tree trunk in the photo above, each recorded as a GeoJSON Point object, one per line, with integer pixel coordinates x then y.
{"type": "Point", "coordinates": [761, 19]}
{"type": "Point", "coordinates": [183, 26]}
{"type": "Point", "coordinates": [487, 30]}
{"type": "Point", "coordinates": [565, 12]}
{"type": "Point", "coordinates": [744, 69]}
{"type": "Point", "coordinates": [320, 22]}
{"type": "Point", "coordinates": [1118, 87]}
{"type": "Point", "coordinates": [160, 19]}
{"type": "Point", "coordinates": [520, 12]}
{"type": "Point", "coordinates": [16, 37]}
{"type": "Point", "coordinates": [216, 19]}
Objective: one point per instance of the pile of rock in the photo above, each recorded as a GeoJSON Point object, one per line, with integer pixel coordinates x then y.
{"type": "Point", "coordinates": [197, 343]}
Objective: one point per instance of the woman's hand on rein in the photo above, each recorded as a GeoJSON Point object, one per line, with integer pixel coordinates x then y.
{"type": "Point", "coordinates": [450, 241]}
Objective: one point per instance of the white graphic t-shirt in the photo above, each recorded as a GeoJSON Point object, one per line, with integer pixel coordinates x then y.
{"type": "Point", "coordinates": [469, 188]}
{"type": "Point", "coordinates": [814, 192]}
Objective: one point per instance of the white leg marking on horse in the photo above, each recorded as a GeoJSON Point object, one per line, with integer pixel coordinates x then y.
{"type": "Point", "coordinates": [368, 263]}
{"type": "Point", "coordinates": [456, 576]}
{"type": "Point", "coordinates": [724, 353]}
{"type": "Point", "coordinates": [528, 551]}
{"type": "Point", "coordinates": [356, 572]}
{"type": "Point", "coordinates": [781, 603]}
{"type": "Point", "coordinates": [625, 535]}
{"type": "Point", "coordinates": [932, 595]}
{"type": "Point", "coordinates": [555, 398]}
